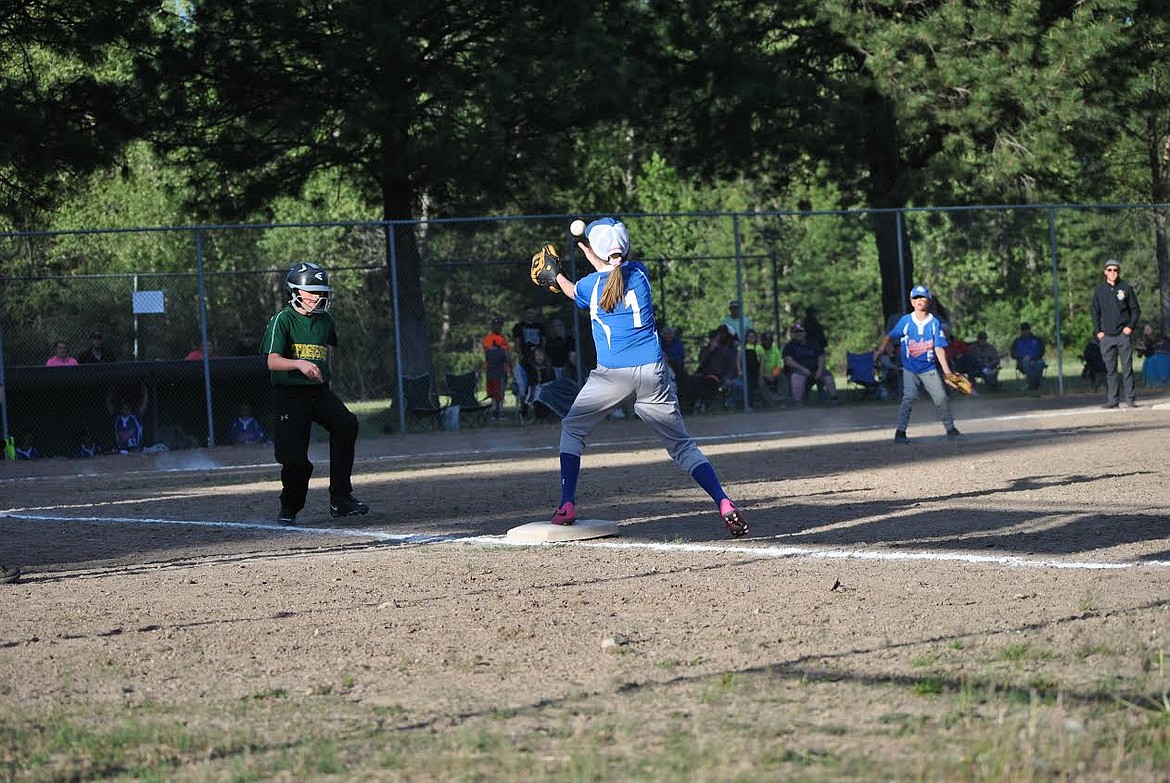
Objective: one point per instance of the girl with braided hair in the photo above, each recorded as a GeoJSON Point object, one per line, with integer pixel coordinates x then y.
{"type": "Point", "coordinates": [630, 367]}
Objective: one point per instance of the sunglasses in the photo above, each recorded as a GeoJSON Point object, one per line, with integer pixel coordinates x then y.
{"type": "Point", "coordinates": [1112, 269]}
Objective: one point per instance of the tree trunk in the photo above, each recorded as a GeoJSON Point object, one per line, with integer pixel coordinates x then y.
{"type": "Point", "coordinates": [884, 190]}
{"type": "Point", "coordinates": [1158, 144]}
{"type": "Point", "coordinates": [414, 338]}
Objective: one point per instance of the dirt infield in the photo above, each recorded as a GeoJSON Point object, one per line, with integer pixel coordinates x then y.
{"type": "Point", "coordinates": [993, 608]}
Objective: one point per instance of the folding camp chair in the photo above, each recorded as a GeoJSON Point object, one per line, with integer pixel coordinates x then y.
{"type": "Point", "coordinates": [422, 404]}
{"type": "Point", "coordinates": [860, 371]}
{"type": "Point", "coordinates": [463, 389]}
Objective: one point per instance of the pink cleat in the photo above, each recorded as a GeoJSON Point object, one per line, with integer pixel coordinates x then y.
{"type": "Point", "coordinates": [566, 514]}
{"type": "Point", "coordinates": [733, 518]}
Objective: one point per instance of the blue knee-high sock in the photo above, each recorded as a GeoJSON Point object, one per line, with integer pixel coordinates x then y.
{"type": "Point", "coordinates": [705, 476]}
{"type": "Point", "coordinates": [570, 468]}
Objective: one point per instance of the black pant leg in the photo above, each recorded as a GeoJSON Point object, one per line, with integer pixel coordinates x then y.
{"type": "Point", "coordinates": [292, 412]}
{"type": "Point", "coordinates": [330, 412]}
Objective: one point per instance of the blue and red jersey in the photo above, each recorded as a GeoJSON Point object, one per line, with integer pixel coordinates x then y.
{"type": "Point", "coordinates": [918, 341]}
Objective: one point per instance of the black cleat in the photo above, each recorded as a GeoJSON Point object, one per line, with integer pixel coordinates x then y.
{"type": "Point", "coordinates": [286, 518]}
{"type": "Point", "coordinates": [900, 437]}
{"type": "Point", "coordinates": [347, 506]}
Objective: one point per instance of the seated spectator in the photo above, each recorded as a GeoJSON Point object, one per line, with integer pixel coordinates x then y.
{"type": "Point", "coordinates": [988, 359]}
{"type": "Point", "coordinates": [675, 352]}
{"type": "Point", "coordinates": [1148, 342]}
{"type": "Point", "coordinates": [247, 345]}
{"type": "Point", "coordinates": [61, 357]}
{"type": "Point", "coordinates": [196, 352]}
{"type": "Point", "coordinates": [753, 363]}
{"type": "Point", "coordinates": [96, 352]}
{"type": "Point", "coordinates": [88, 445]}
{"type": "Point", "coordinates": [25, 449]}
{"type": "Point", "coordinates": [771, 361]}
{"type": "Point", "coordinates": [497, 365]}
{"type": "Point", "coordinates": [1094, 371]}
{"type": "Point", "coordinates": [889, 365]}
{"type": "Point", "coordinates": [128, 430]}
{"type": "Point", "coordinates": [559, 347]}
{"type": "Point", "coordinates": [804, 362]}
{"type": "Point", "coordinates": [959, 356]}
{"type": "Point", "coordinates": [246, 429]}
{"type": "Point", "coordinates": [539, 370]}
{"type": "Point", "coordinates": [713, 374]}
{"type": "Point", "coordinates": [1028, 351]}
{"type": "Point", "coordinates": [813, 328]}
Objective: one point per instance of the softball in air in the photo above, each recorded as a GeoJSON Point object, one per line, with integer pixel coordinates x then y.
{"type": "Point", "coordinates": [577, 228]}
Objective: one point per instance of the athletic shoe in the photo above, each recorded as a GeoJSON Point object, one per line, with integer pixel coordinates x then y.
{"type": "Point", "coordinates": [1109, 405]}
{"type": "Point", "coordinates": [566, 514]}
{"type": "Point", "coordinates": [733, 518]}
{"type": "Point", "coordinates": [953, 432]}
{"type": "Point", "coordinates": [347, 506]}
{"type": "Point", "coordinates": [900, 437]}
{"type": "Point", "coordinates": [9, 575]}
{"type": "Point", "coordinates": [286, 518]}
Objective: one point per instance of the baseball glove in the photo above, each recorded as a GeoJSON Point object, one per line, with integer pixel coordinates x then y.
{"type": "Point", "coordinates": [959, 382]}
{"type": "Point", "coordinates": [546, 265]}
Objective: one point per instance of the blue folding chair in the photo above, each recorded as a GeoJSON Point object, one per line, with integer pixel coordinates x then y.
{"type": "Point", "coordinates": [861, 371]}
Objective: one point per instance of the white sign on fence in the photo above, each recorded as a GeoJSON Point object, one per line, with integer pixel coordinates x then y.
{"type": "Point", "coordinates": [148, 302]}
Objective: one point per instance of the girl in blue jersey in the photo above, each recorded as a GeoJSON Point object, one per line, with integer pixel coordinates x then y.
{"type": "Point", "coordinates": [922, 348]}
{"type": "Point", "coordinates": [630, 366]}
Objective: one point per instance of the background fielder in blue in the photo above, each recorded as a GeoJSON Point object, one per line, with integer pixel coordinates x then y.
{"type": "Point", "coordinates": [630, 366]}
{"type": "Point", "coordinates": [922, 346]}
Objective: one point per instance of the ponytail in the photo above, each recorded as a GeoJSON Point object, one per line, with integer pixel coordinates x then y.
{"type": "Point", "coordinates": [614, 291]}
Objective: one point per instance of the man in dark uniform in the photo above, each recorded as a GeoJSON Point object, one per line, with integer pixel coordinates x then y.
{"type": "Point", "coordinates": [1115, 316]}
{"type": "Point", "coordinates": [298, 343]}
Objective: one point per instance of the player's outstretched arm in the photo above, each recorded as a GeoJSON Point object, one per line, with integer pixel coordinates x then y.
{"type": "Point", "coordinates": [568, 287]}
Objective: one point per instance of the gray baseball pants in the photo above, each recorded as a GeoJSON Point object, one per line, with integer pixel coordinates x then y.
{"type": "Point", "coordinates": [932, 382]}
{"type": "Point", "coordinates": [655, 402]}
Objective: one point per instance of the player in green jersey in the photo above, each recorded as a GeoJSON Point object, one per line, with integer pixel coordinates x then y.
{"type": "Point", "coordinates": [298, 343]}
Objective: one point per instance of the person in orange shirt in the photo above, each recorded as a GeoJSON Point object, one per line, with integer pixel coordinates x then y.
{"type": "Point", "coordinates": [497, 364]}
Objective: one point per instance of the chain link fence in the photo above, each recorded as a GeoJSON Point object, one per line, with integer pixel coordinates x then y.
{"type": "Point", "coordinates": [417, 298]}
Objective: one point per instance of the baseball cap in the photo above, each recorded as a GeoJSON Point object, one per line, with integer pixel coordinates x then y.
{"type": "Point", "coordinates": [608, 237]}
{"type": "Point", "coordinates": [798, 327]}
{"type": "Point", "coordinates": [733, 303]}
{"type": "Point", "coordinates": [919, 290]}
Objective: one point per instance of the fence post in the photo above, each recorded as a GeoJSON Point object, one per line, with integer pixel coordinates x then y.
{"type": "Point", "coordinates": [775, 296]}
{"type": "Point", "coordinates": [742, 307]}
{"type": "Point", "coordinates": [203, 338]}
{"type": "Point", "coordinates": [901, 261]}
{"type": "Point", "coordinates": [1056, 301]}
{"type": "Point", "coordinates": [3, 396]}
{"type": "Point", "coordinates": [399, 392]}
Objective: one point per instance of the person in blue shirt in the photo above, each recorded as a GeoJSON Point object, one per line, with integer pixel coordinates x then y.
{"type": "Point", "coordinates": [1028, 351]}
{"type": "Point", "coordinates": [630, 366]}
{"type": "Point", "coordinates": [923, 345]}
{"type": "Point", "coordinates": [246, 428]}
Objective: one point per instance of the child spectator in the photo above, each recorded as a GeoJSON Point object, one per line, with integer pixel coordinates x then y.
{"type": "Point", "coordinates": [25, 450]}
{"type": "Point", "coordinates": [127, 422]}
{"type": "Point", "coordinates": [497, 365]}
{"type": "Point", "coordinates": [88, 446]}
{"type": "Point", "coordinates": [246, 429]}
